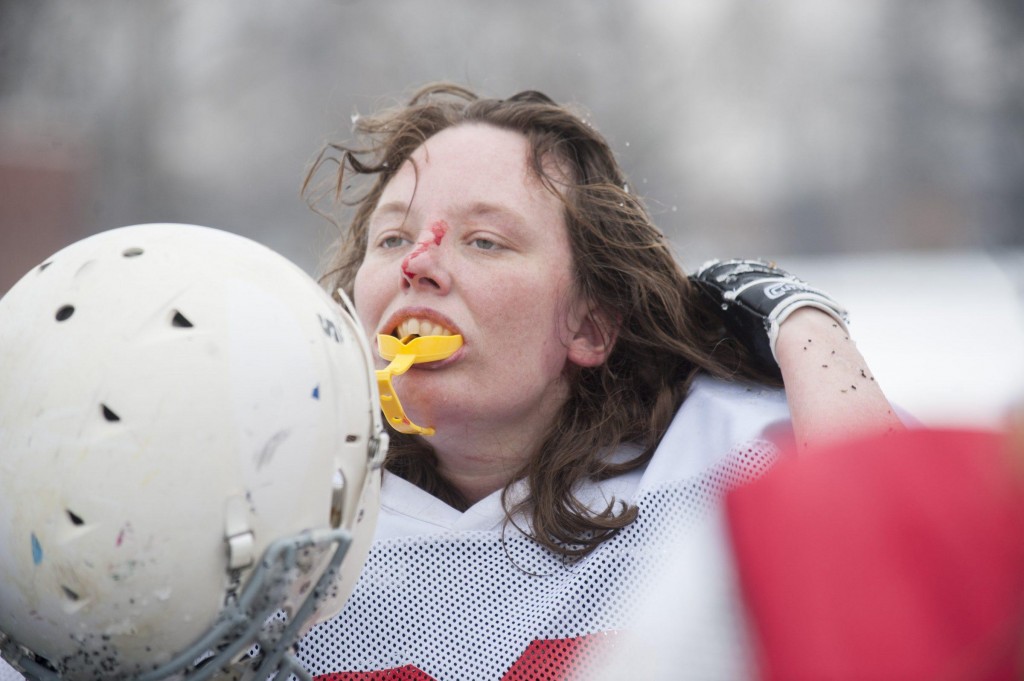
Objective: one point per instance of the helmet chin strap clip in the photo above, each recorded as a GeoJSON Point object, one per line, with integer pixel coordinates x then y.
{"type": "Point", "coordinates": [403, 354]}
{"type": "Point", "coordinates": [240, 539]}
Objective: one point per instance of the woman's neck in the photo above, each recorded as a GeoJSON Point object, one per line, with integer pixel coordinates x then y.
{"type": "Point", "coordinates": [479, 463]}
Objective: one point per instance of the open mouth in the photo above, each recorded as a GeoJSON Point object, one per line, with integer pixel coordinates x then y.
{"type": "Point", "coordinates": [415, 327]}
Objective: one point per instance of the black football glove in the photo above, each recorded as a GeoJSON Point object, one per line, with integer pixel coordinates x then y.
{"type": "Point", "coordinates": [753, 298]}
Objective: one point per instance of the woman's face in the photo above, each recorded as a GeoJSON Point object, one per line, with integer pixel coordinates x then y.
{"type": "Point", "coordinates": [470, 242]}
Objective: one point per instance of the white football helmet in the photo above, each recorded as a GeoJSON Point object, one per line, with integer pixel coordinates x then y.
{"type": "Point", "coordinates": [190, 440]}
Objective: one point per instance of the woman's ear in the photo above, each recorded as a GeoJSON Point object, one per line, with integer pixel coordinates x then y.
{"type": "Point", "coordinates": [593, 336]}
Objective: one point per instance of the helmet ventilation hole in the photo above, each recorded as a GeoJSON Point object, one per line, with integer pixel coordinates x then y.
{"type": "Point", "coordinates": [74, 517]}
{"type": "Point", "coordinates": [180, 320]}
{"type": "Point", "coordinates": [45, 265]}
{"type": "Point", "coordinates": [351, 438]}
{"type": "Point", "coordinates": [65, 312]}
{"type": "Point", "coordinates": [132, 252]}
{"type": "Point", "coordinates": [109, 414]}
{"type": "Point", "coordinates": [72, 595]}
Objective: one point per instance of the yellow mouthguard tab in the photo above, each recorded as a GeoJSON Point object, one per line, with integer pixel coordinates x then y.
{"type": "Point", "coordinates": [403, 354]}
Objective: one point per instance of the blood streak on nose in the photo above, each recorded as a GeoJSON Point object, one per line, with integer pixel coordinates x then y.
{"type": "Point", "coordinates": [438, 230]}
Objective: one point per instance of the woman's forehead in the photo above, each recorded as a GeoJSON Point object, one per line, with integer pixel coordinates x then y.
{"type": "Point", "coordinates": [476, 164]}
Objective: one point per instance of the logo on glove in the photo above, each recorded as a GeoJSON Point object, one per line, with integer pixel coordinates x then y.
{"type": "Point", "coordinates": [778, 290]}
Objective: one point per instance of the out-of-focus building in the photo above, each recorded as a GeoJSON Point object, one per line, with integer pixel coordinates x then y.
{"type": "Point", "coordinates": [42, 190]}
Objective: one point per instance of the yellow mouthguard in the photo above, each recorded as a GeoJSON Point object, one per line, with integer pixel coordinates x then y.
{"type": "Point", "coordinates": [403, 354]}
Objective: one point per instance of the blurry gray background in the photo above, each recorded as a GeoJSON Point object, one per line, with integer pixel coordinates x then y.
{"type": "Point", "coordinates": [832, 133]}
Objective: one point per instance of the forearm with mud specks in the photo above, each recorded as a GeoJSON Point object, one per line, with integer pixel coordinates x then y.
{"type": "Point", "coordinates": [831, 391]}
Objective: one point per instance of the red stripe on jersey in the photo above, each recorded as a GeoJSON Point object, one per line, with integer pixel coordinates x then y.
{"type": "Point", "coordinates": [551, 659]}
{"type": "Point", "coordinates": [543, 660]}
{"type": "Point", "coordinates": [406, 673]}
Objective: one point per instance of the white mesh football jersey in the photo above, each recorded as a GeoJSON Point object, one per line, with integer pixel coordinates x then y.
{"type": "Point", "coordinates": [450, 596]}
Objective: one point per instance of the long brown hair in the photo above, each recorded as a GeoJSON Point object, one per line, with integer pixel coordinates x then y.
{"type": "Point", "coordinates": [622, 266]}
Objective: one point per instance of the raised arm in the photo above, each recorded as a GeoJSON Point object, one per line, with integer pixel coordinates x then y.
{"type": "Point", "coordinates": [800, 332]}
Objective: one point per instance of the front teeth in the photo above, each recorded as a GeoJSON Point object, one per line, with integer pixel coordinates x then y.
{"type": "Point", "coordinates": [420, 327]}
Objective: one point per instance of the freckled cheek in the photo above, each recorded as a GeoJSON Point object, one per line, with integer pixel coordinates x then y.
{"type": "Point", "coordinates": [534, 313]}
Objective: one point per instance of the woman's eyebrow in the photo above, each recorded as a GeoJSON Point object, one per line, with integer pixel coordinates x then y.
{"type": "Point", "coordinates": [390, 209]}
{"type": "Point", "coordinates": [484, 209]}
{"type": "Point", "coordinates": [476, 209]}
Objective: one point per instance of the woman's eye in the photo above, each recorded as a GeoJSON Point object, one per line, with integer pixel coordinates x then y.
{"type": "Point", "coordinates": [393, 241]}
{"type": "Point", "coordinates": [485, 244]}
